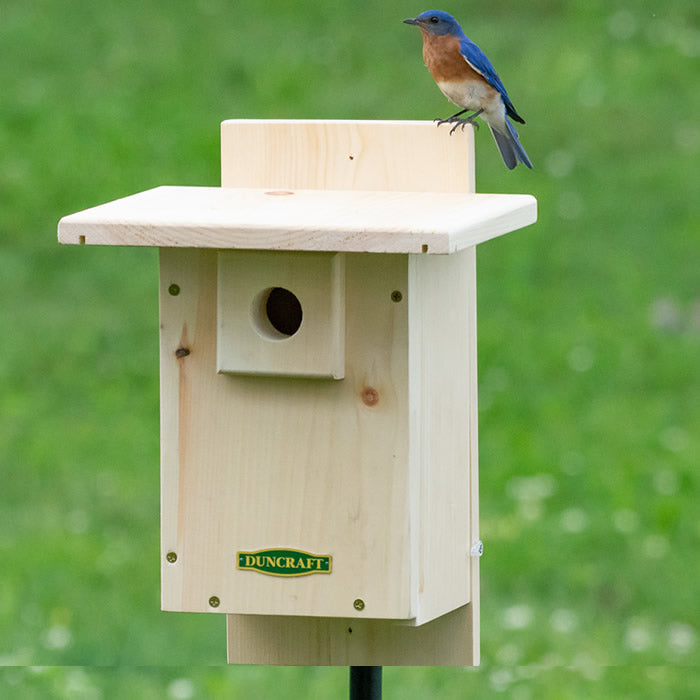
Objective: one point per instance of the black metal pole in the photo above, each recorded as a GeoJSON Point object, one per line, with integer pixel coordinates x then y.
{"type": "Point", "coordinates": [365, 682]}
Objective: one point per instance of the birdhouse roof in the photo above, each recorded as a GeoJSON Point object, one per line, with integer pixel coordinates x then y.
{"type": "Point", "coordinates": [303, 220]}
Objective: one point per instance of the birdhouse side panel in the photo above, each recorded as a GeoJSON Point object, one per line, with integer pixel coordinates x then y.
{"type": "Point", "coordinates": [442, 370]}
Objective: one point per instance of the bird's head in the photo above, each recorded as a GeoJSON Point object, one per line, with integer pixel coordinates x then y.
{"type": "Point", "coordinates": [436, 22]}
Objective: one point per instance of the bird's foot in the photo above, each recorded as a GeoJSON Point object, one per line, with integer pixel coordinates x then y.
{"type": "Point", "coordinates": [457, 121]}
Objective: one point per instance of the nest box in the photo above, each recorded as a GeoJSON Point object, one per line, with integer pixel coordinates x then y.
{"type": "Point", "coordinates": [319, 388]}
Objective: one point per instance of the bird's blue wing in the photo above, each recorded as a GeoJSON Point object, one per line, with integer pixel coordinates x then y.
{"type": "Point", "coordinates": [477, 59]}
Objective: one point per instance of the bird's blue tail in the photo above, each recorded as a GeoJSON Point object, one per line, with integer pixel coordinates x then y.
{"type": "Point", "coordinates": [509, 145]}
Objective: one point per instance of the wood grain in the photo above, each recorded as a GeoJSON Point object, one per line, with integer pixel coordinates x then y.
{"type": "Point", "coordinates": [404, 157]}
{"type": "Point", "coordinates": [248, 342]}
{"type": "Point", "coordinates": [305, 220]}
{"type": "Point", "coordinates": [397, 156]}
{"type": "Point", "coordinates": [299, 463]}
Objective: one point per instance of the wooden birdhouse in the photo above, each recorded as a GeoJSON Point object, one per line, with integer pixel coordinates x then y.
{"type": "Point", "coordinates": [319, 388]}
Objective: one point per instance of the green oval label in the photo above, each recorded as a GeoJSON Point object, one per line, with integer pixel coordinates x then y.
{"type": "Point", "coordinates": [284, 562]}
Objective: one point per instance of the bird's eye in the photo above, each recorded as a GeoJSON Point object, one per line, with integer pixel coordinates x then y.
{"type": "Point", "coordinates": [434, 20]}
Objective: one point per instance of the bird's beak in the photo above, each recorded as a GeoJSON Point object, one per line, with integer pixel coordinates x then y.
{"type": "Point", "coordinates": [410, 21]}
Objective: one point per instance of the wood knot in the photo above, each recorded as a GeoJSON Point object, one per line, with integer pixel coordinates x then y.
{"type": "Point", "coordinates": [182, 352]}
{"type": "Point", "coordinates": [370, 396]}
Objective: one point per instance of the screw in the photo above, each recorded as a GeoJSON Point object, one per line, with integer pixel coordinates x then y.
{"type": "Point", "coordinates": [396, 296]}
{"type": "Point", "coordinates": [171, 557]}
{"type": "Point", "coordinates": [359, 604]}
{"type": "Point", "coordinates": [214, 602]}
{"type": "Point", "coordinates": [174, 289]}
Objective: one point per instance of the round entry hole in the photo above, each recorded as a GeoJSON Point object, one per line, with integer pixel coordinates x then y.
{"type": "Point", "coordinates": [277, 313]}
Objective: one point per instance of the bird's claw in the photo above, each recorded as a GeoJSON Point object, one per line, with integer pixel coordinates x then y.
{"type": "Point", "coordinates": [449, 120]}
{"type": "Point", "coordinates": [457, 123]}
{"type": "Point", "coordinates": [463, 123]}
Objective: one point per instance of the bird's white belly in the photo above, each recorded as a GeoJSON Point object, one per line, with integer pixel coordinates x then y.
{"type": "Point", "coordinates": [471, 94]}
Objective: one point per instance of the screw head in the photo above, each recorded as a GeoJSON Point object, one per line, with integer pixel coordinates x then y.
{"type": "Point", "coordinates": [174, 290]}
{"type": "Point", "coordinates": [214, 602]}
{"type": "Point", "coordinates": [171, 557]}
{"type": "Point", "coordinates": [359, 604]}
{"type": "Point", "coordinates": [396, 296]}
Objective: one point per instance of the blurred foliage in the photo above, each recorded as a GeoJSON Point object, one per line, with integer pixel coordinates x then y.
{"type": "Point", "coordinates": [589, 331]}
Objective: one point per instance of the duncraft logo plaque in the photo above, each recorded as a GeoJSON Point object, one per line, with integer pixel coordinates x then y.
{"type": "Point", "coordinates": [284, 562]}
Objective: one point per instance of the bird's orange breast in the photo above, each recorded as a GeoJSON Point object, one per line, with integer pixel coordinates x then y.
{"type": "Point", "coordinates": [443, 59]}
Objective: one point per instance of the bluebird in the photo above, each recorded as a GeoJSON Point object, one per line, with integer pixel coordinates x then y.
{"type": "Point", "coordinates": [466, 77]}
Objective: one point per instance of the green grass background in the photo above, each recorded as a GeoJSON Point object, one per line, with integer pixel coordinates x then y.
{"type": "Point", "coordinates": [589, 333]}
